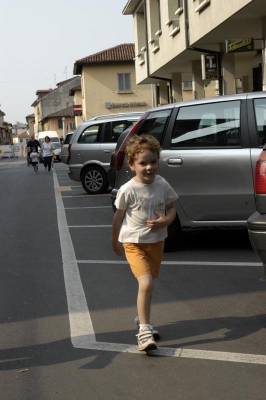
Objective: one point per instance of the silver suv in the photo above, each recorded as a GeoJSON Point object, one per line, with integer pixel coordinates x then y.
{"type": "Point", "coordinates": [209, 152]}
{"type": "Point", "coordinates": [91, 146]}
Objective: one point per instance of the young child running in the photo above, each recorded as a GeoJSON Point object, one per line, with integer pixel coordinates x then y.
{"type": "Point", "coordinates": [145, 207]}
{"type": "Point", "coordinates": [34, 156]}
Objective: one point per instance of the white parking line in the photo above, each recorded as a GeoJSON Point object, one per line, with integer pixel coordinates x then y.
{"type": "Point", "coordinates": [79, 208]}
{"type": "Point", "coordinates": [81, 328]}
{"type": "Point", "coordinates": [233, 264]}
{"type": "Point", "coordinates": [89, 226]}
{"type": "Point", "coordinates": [83, 195]}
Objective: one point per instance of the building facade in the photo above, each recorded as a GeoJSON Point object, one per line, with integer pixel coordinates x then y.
{"type": "Point", "coordinates": [108, 83]}
{"type": "Point", "coordinates": [51, 101]}
{"type": "Point", "coordinates": [199, 48]}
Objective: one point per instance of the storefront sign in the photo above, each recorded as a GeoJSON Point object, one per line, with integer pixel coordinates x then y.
{"type": "Point", "coordinates": [237, 46]}
{"type": "Point", "coordinates": [109, 105]}
{"type": "Point", "coordinates": [210, 66]}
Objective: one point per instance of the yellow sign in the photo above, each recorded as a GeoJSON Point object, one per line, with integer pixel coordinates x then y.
{"type": "Point", "coordinates": [237, 46]}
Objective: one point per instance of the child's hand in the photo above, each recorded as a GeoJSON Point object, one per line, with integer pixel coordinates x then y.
{"type": "Point", "coordinates": [155, 224]}
{"type": "Point", "coordinates": [117, 249]}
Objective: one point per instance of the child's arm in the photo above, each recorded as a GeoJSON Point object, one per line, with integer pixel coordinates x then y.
{"type": "Point", "coordinates": [117, 222]}
{"type": "Point", "coordinates": [162, 220]}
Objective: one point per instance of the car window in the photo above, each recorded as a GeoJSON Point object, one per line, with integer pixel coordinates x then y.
{"type": "Point", "coordinates": [68, 138]}
{"type": "Point", "coordinates": [57, 145]}
{"type": "Point", "coordinates": [260, 113]}
{"type": "Point", "coordinates": [91, 134]}
{"type": "Point", "coordinates": [208, 125]}
{"type": "Point", "coordinates": [113, 130]}
{"type": "Point", "coordinates": [155, 124]}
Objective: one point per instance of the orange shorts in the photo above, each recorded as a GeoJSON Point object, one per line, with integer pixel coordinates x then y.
{"type": "Point", "coordinates": [144, 258]}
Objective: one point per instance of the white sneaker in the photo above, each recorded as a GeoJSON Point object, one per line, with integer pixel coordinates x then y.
{"type": "Point", "coordinates": [146, 341]}
{"type": "Point", "coordinates": [154, 331]}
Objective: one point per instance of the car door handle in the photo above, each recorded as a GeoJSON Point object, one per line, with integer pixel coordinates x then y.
{"type": "Point", "coordinates": [106, 151]}
{"type": "Point", "coordinates": [174, 161]}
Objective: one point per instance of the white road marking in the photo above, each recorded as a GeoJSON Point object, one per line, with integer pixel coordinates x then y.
{"type": "Point", "coordinates": [81, 328]}
{"type": "Point", "coordinates": [233, 264]}
{"type": "Point", "coordinates": [89, 226]}
{"type": "Point", "coordinates": [83, 195]}
{"type": "Point", "coordinates": [182, 353]}
{"type": "Point", "coordinates": [80, 208]}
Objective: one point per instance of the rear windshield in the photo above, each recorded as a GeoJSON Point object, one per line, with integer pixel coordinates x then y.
{"type": "Point", "coordinates": [155, 124]}
{"type": "Point", "coordinates": [68, 138]}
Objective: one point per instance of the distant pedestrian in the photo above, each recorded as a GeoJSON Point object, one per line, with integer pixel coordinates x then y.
{"type": "Point", "coordinates": [145, 207]}
{"type": "Point", "coordinates": [32, 143]}
{"type": "Point", "coordinates": [47, 153]}
{"type": "Point", "coordinates": [34, 156]}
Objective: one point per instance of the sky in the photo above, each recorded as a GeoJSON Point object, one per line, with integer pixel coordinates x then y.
{"type": "Point", "coordinates": [40, 42]}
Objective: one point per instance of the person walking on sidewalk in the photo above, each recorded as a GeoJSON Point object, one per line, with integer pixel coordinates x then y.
{"type": "Point", "coordinates": [144, 209]}
{"type": "Point", "coordinates": [34, 156]}
{"type": "Point", "coordinates": [47, 153]}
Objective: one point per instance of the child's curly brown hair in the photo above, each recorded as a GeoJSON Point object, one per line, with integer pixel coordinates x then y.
{"type": "Point", "coordinates": [137, 144]}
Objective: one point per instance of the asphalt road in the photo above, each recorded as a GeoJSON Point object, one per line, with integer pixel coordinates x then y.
{"type": "Point", "coordinates": [68, 304]}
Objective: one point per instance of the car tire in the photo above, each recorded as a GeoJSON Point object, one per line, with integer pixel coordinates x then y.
{"type": "Point", "coordinates": [94, 180]}
{"type": "Point", "coordinates": [173, 240]}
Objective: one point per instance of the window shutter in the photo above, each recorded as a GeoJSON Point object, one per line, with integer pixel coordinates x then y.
{"type": "Point", "coordinates": [120, 82]}
{"type": "Point", "coordinates": [127, 82]}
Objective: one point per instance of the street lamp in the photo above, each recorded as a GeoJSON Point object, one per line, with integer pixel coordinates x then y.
{"type": "Point", "coordinates": [64, 131]}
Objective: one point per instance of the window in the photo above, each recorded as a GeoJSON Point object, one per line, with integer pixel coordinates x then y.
{"type": "Point", "coordinates": [72, 126]}
{"type": "Point", "coordinates": [60, 123]}
{"type": "Point", "coordinates": [260, 113]}
{"type": "Point", "coordinates": [208, 125]}
{"type": "Point", "coordinates": [124, 82]}
{"type": "Point", "coordinates": [90, 135]}
{"type": "Point", "coordinates": [21, 140]}
{"type": "Point", "coordinates": [68, 138]}
{"type": "Point", "coordinates": [113, 130]}
{"type": "Point", "coordinates": [155, 124]}
{"type": "Point", "coordinates": [187, 85]}
{"type": "Point", "coordinates": [159, 15]}
{"type": "Point", "coordinates": [141, 37]}
{"type": "Point", "coordinates": [155, 22]}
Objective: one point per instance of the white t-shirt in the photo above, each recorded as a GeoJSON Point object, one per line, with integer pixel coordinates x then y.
{"type": "Point", "coordinates": [34, 156]}
{"type": "Point", "coordinates": [47, 149]}
{"type": "Point", "coordinates": [140, 201]}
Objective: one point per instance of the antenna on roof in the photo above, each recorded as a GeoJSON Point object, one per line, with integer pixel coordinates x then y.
{"type": "Point", "coordinates": [55, 79]}
{"type": "Point", "coordinates": [65, 71]}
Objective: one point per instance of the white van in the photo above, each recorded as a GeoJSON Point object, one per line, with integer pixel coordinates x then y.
{"type": "Point", "coordinates": [53, 135]}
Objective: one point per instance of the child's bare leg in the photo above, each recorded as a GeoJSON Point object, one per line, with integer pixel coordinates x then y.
{"type": "Point", "coordinates": [144, 298]}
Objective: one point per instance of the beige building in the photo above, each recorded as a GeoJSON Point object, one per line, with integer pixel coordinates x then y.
{"type": "Point", "coordinates": [21, 138]}
{"type": "Point", "coordinates": [30, 121]}
{"type": "Point", "coordinates": [108, 83]}
{"type": "Point", "coordinates": [77, 93]}
{"type": "Point", "coordinates": [199, 48]}
{"type": "Point", "coordinates": [51, 101]}
{"type": "Point", "coordinates": [62, 122]}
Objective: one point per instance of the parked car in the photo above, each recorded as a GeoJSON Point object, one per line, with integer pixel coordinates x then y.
{"type": "Point", "coordinates": [57, 151]}
{"type": "Point", "coordinates": [209, 151]}
{"type": "Point", "coordinates": [64, 148]}
{"type": "Point", "coordinates": [257, 221]}
{"type": "Point", "coordinates": [91, 146]}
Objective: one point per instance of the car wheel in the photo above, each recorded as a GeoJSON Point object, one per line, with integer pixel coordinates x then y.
{"type": "Point", "coordinates": [94, 180]}
{"type": "Point", "coordinates": [173, 240]}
